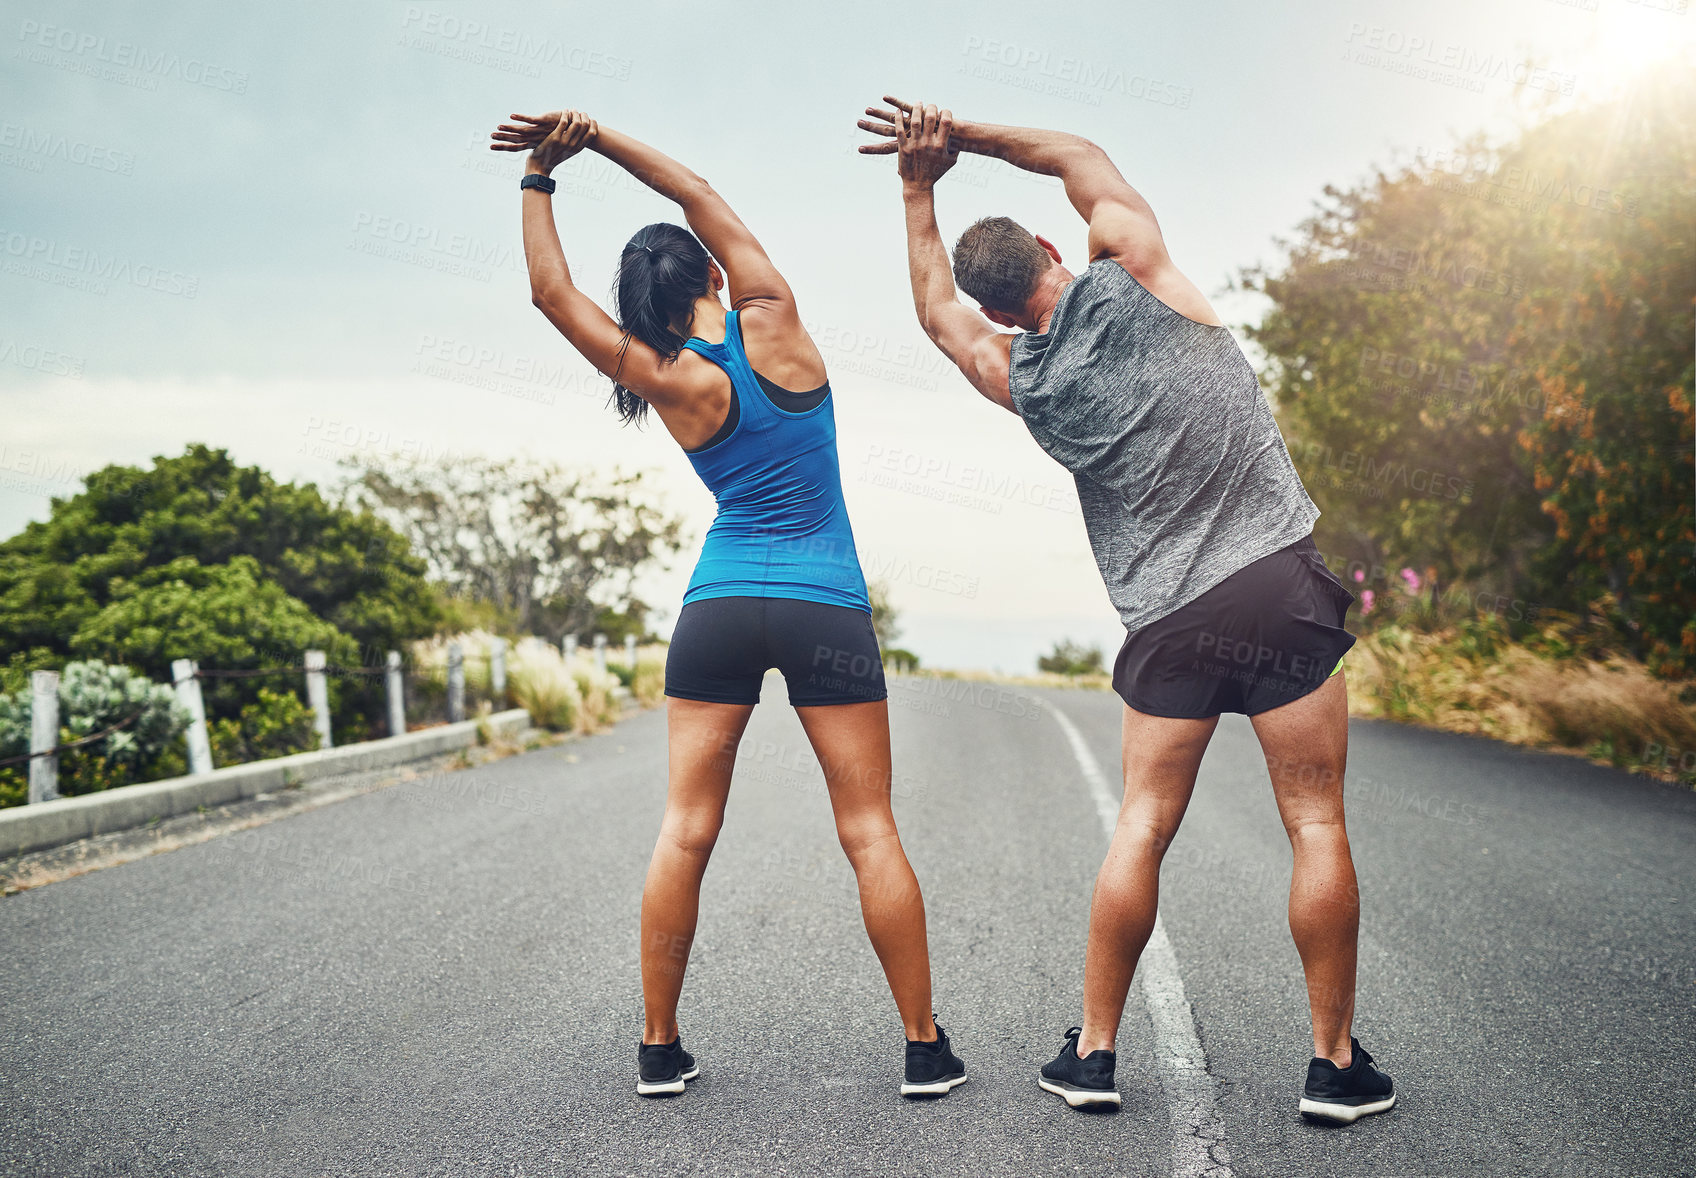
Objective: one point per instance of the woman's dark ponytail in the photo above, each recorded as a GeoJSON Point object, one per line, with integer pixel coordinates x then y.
{"type": "Point", "coordinates": [662, 272]}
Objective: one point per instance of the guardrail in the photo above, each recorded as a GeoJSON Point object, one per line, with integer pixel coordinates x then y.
{"type": "Point", "coordinates": [53, 823]}
{"type": "Point", "coordinates": [187, 676]}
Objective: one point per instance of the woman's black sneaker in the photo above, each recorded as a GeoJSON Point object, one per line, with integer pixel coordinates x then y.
{"type": "Point", "coordinates": [932, 1068]}
{"type": "Point", "coordinates": [1084, 1082]}
{"type": "Point", "coordinates": [1346, 1094]}
{"type": "Point", "coordinates": [663, 1068]}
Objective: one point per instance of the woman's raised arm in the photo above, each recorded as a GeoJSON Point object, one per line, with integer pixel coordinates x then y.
{"type": "Point", "coordinates": [551, 140]}
{"type": "Point", "coordinates": [751, 275]}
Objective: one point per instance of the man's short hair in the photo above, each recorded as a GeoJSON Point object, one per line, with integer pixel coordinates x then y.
{"type": "Point", "coordinates": [998, 263]}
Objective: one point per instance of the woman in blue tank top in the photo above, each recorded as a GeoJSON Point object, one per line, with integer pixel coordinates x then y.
{"type": "Point", "coordinates": [778, 583]}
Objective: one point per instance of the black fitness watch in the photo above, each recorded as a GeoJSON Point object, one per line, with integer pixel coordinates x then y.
{"type": "Point", "coordinates": [534, 180]}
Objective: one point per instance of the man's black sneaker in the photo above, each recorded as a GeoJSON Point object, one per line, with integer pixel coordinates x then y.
{"type": "Point", "coordinates": [1346, 1094]}
{"type": "Point", "coordinates": [932, 1068]}
{"type": "Point", "coordinates": [662, 1068]}
{"type": "Point", "coordinates": [1081, 1082]}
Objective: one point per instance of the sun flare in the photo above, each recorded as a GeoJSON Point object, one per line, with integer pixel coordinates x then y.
{"type": "Point", "coordinates": [1630, 39]}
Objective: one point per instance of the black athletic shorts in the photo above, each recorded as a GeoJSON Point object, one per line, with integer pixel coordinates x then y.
{"type": "Point", "coordinates": [1269, 633]}
{"type": "Point", "coordinates": [723, 647]}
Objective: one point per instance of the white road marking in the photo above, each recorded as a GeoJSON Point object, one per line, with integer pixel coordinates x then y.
{"type": "Point", "coordinates": [1198, 1140]}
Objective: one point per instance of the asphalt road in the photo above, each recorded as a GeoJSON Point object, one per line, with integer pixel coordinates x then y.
{"type": "Point", "coordinates": [440, 977]}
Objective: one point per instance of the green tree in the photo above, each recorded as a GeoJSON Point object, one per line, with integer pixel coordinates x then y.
{"type": "Point", "coordinates": [1071, 658]}
{"type": "Point", "coordinates": [1607, 325]}
{"type": "Point", "coordinates": [886, 624]}
{"type": "Point", "coordinates": [110, 541]}
{"type": "Point", "coordinates": [1482, 364]}
{"type": "Point", "coordinates": [201, 558]}
{"type": "Point", "coordinates": [886, 617]}
{"type": "Point", "coordinates": [616, 624]}
{"type": "Point", "coordinates": [227, 616]}
{"type": "Point", "coordinates": [1385, 358]}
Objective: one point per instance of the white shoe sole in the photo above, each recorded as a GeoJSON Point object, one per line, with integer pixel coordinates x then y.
{"type": "Point", "coordinates": [936, 1089]}
{"type": "Point", "coordinates": [1344, 1114]}
{"type": "Point", "coordinates": [1076, 1098]}
{"type": "Point", "coordinates": [667, 1087]}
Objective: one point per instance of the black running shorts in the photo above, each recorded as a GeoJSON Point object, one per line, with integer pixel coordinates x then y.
{"type": "Point", "coordinates": [723, 647]}
{"type": "Point", "coordinates": [1269, 633]}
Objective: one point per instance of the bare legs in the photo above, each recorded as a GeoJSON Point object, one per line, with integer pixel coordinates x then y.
{"type": "Point", "coordinates": [851, 742]}
{"type": "Point", "coordinates": [1161, 759]}
{"type": "Point", "coordinates": [1306, 747]}
{"type": "Point", "coordinates": [703, 739]}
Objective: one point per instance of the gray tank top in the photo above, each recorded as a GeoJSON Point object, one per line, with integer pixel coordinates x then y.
{"type": "Point", "coordinates": [1182, 474]}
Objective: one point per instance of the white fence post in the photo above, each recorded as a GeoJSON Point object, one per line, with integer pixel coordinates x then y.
{"type": "Point", "coordinates": [43, 735]}
{"type": "Point", "coordinates": [568, 646]}
{"type": "Point", "coordinates": [630, 651]}
{"type": "Point", "coordinates": [318, 695]}
{"type": "Point", "coordinates": [601, 653]}
{"type": "Point", "coordinates": [497, 671]}
{"type": "Point", "coordinates": [185, 678]}
{"type": "Point", "coordinates": [395, 682]}
{"type": "Point", "coordinates": [456, 683]}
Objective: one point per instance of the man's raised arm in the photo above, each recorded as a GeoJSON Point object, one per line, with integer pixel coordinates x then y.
{"type": "Point", "coordinates": [976, 348]}
{"type": "Point", "coordinates": [1121, 223]}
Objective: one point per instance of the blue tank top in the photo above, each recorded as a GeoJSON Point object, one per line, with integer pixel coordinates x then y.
{"type": "Point", "coordinates": [782, 526]}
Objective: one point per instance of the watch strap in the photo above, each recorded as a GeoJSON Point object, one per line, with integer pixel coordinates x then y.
{"type": "Point", "coordinates": [533, 180]}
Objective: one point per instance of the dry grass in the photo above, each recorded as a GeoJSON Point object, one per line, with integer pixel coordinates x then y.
{"type": "Point", "coordinates": [1558, 689]}
{"type": "Point", "coordinates": [600, 706]}
{"type": "Point", "coordinates": [648, 683]}
{"type": "Point", "coordinates": [542, 685]}
{"type": "Point", "coordinates": [1611, 708]}
{"type": "Point", "coordinates": [559, 695]}
{"type": "Point", "coordinates": [430, 655]}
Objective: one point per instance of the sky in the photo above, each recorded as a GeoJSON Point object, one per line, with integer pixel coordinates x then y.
{"type": "Point", "coordinates": [278, 230]}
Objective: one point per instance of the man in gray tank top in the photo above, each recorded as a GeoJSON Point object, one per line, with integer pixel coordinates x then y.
{"type": "Point", "coordinates": [1202, 531]}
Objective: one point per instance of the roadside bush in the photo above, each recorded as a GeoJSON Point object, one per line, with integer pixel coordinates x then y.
{"type": "Point", "coordinates": [1555, 688]}
{"type": "Point", "coordinates": [1071, 658]}
{"type": "Point", "coordinates": [429, 667]}
{"type": "Point", "coordinates": [564, 696]}
{"type": "Point", "coordinates": [94, 696]}
{"type": "Point", "coordinates": [277, 724]}
{"type": "Point", "coordinates": [430, 656]}
{"type": "Point", "coordinates": [648, 683]}
{"type": "Point", "coordinates": [900, 660]}
{"type": "Point", "coordinates": [600, 707]}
